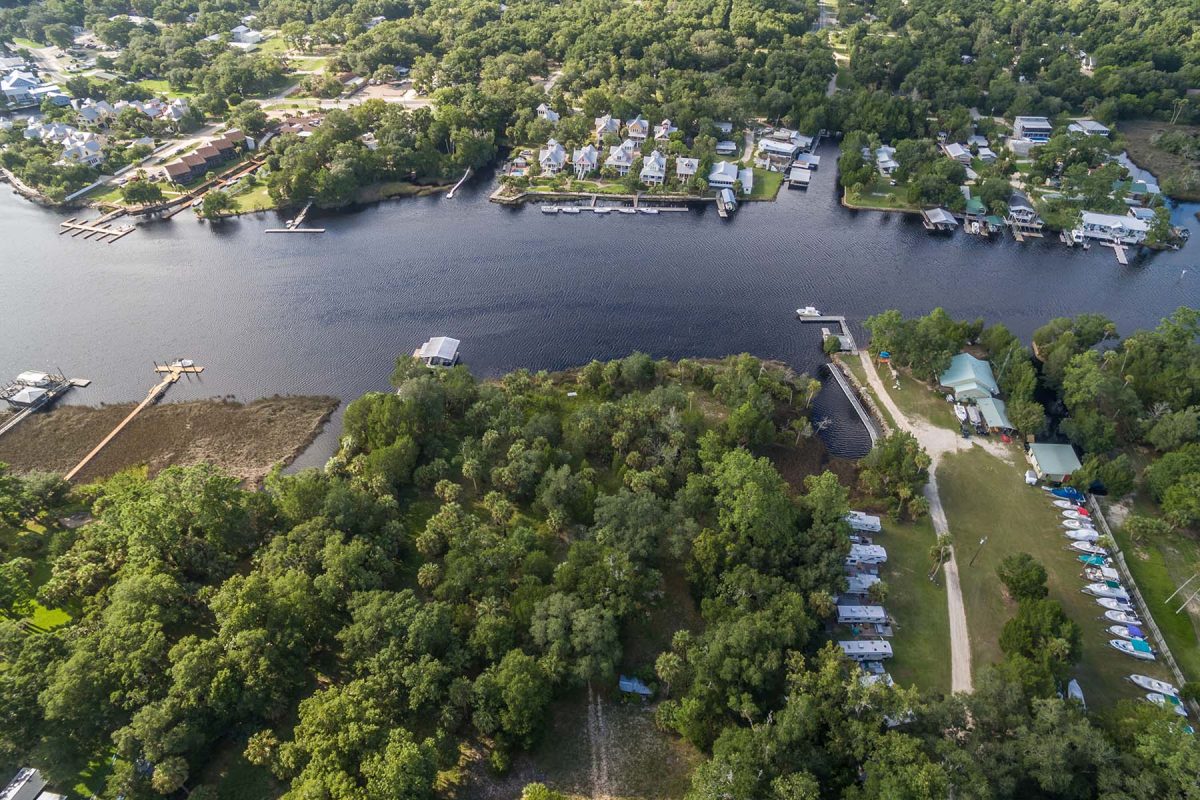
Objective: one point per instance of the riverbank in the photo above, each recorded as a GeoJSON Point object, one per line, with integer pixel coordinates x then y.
{"type": "Point", "coordinates": [245, 440]}
{"type": "Point", "coordinates": [1180, 174]}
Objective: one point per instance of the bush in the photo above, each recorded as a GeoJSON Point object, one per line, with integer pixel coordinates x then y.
{"type": "Point", "coordinates": [1023, 577]}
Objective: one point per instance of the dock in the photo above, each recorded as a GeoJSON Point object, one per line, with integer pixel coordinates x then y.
{"type": "Point", "coordinates": [1120, 252]}
{"type": "Point", "coordinates": [293, 225]}
{"type": "Point", "coordinates": [461, 181]}
{"type": "Point", "coordinates": [57, 386]}
{"type": "Point", "coordinates": [846, 336]}
{"type": "Point", "coordinates": [172, 373]}
{"type": "Point", "coordinates": [867, 421]}
{"type": "Point", "coordinates": [101, 230]}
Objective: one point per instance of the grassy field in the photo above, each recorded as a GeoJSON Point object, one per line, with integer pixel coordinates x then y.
{"type": "Point", "coordinates": [922, 640]}
{"type": "Point", "coordinates": [255, 199]}
{"type": "Point", "coordinates": [28, 44]}
{"type": "Point", "coordinates": [766, 184]}
{"type": "Point", "coordinates": [916, 399]}
{"type": "Point", "coordinates": [880, 194]}
{"type": "Point", "coordinates": [985, 497]}
{"type": "Point", "coordinates": [1184, 172]}
{"type": "Point", "coordinates": [162, 87]}
{"type": "Point", "coordinates": [273, 46]}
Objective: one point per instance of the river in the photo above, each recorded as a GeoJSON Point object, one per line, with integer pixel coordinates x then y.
{"type": "Point", "coordinates": [328, 313]}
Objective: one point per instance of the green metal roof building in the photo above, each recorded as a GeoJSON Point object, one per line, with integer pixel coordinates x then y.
{"type": "Point", "coordinates": [1053, 462]}
{"type": "Point", "coordinates": [969, 378]}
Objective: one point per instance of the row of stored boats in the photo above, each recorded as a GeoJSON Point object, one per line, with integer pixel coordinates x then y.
{"type": "Point", "coordinates": [1104, 584]}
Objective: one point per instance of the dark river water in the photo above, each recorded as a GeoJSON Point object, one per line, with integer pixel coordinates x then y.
{"type": "Point", "coordinates": [328, 313]}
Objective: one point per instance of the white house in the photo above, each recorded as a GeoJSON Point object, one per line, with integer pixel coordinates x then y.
{"type": "Point", "coordinates": [663, 130]}
{"type": "Point", "coordinates": [723, 175]}
{"type": "Point", "coordinates": [1114, 228]}
{"type": "Point", "coordinates": [18, 86]}
{"type": "Point", "coordinates": [552, 157]}
{"type": "Point", "coordinates": [440, 351]}
{"type": "Point", "coordinates": [724, 128]}
{"type": "Point", "coordinates": [547, 113]}
{"type": "Point", "coordinates": [243, 34]}
{"type": "Point", "coordinates": [746, 176]}
{"type": "Point", "coordinates": [606, 125]}
{"type": "Point", "coordinates": [1022, 216]}
{"type": "Point", "coordinates": [1032, 129]}
{"type": "Point", "coordinates": [885, 161]}
{"type": "Point", "coordinates": [95, 112]}
{"type": "Point", "coordinates": [986, 155]}
{"type": "Point", "coordinates": [1089, 127]}
{"type": "Point", "coordinates": [83, 152]}
{"type": "Point", "coordinates": [637, 129]}
{"type": "Point", "coordinates": [726, 147]}
{"type": "Point", "coordinates": [621, 156]}
{"type": "Point", "coordinates": [654, 169]}
{"type": "Point", "coordinates": [685, 168]}
{"type": "Point", "coordinates": [585, 160]}
{"type": "Point", "coordinates": [957, 152]}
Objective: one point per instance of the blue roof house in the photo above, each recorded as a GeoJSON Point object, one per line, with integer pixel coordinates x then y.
{"type": "Point", "coordinates": [969, 378]}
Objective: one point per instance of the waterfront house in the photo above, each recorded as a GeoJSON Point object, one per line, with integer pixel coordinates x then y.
{"type": "Point", "coordinates": [1053, 462]}
{"type": "Point", "coordinates": [1136, 191]}
{"type": "Point", "coordinates": [808, 161]}
{"type": "Point", "coordinates": [552, 158]}
{"type": "Point", "coordinates": [775, 154]}
{"type": "Point", "coordinates": [957, 152]}
{"type": "Point", "coordinates": [663, 130]}
{"type": "Point", "coordinates": [178, 172]}
{"type": "Point", "coordinates": [654, 169]}
{"type": "Point", "coordinates": [789, 136]}
{"type": "Point", "coordinates": [685, 168]}
{"type": "Point", "coordinates": [1032, 129]}
{"type": "Point", "coordinates": [638, 129]}
{"type": "Point", "coordinates": [1112, 228]}
{"type": "Point", "coordinates": [440, 351]}
{"type": "Point", "coordinates": [1022, 217]}
{"type": "Point", "coordinates": [885, 160]}
{"type": "Point", "coordinates": [975, 210]}
{"type": "Point", "coordinates": [547, 113]}
{"type": "Point", "coordinates": [746, 176]}
{"type": "Point", "coordinates": [584, 160]}
{"type": "Point", "coordinates": [18, 86]}
{"type": "Point", "coordinates": [621, 156]}
{"type": "Point", "coordinates": [726, 147]}
{"type": "Point", "coordinates": [1089, 127]}
{"type": "Point", "coordinates": [723, 175]}
{"type": "Point", "coordinates": [606, 125]}
{"type": "Point", "coordinates": [1144, 214]}
{"type": "Point", "coordinates": [83, 152]}
{"type": "Point", "coordinates": [938, 219]}
{"type": "Point", "coordinates": [969, 378]}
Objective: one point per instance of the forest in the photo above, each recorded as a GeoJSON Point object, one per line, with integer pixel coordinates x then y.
{"type": "Point", "coordinates": [476, 549]}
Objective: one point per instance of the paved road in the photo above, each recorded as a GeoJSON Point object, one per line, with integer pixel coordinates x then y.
{"type": "Point", "coordinates": [937, 442]}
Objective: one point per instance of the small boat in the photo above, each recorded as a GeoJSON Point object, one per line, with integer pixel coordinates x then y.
{"type": "Point", "coordinates": [626, 210]}
{"type": "Point", "coordinates": [1089, 548]}
{"type": "Point", "coordinates": [974, 415]}
{"type": "Point", "coordinates": [549, 209]}
{"type": "Point", "coordinates": [1088, 535]}
{"type": "Point", "coordinates": [1075, 693]}
{"type": "Point", "coordinates": [1107, 589]}
{"type": "Point", "coordinates": [1153, 684]}
{"type": "Point", "coordinates": [960, 411]}
{"type": "Point", "coordinates": [807, 311]}
{"type": "Point", "coordinates": [1067, 493]}
{"type": "Point", "coordinates": [1122, 617]}
{"type": "Point", "coordinates": [1126, 631]}
{"type": "Point", "coordinates": [1075, 524]}
{"type": "Point", "coordinates": [571, 209]}
{"type": "Point", "coordinates": [1080, 516]}
{"type": "Point", "coordinates": [1094, 561]}
{"type": "Point", "coordinates": [602, 210]}
{"type": "Point", "coordinates": [1112, 604]}
{"type": "Point", "coordinates": [648, 210]}
{"type": "Point", "coordinates": [1066, 504]}
{"type": "Point", "coordinates": [1138, 648]}
{"type": "Point", "coordinates": [1167, 701]}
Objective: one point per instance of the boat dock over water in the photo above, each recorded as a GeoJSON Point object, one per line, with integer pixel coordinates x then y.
{"type": "Point", "coordinates": [30, 392]}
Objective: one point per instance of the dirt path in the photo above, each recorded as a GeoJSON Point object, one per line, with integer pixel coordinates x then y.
{"type": "Point", "coordinates": [598, 739]}
{"type": "Point", "coordinates": [937, 442]}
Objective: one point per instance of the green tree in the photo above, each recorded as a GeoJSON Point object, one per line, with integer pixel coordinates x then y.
{"type": "Point", "coordinates": [1023, 576]}
{"type": "Point", "coordinates": [217, 203]}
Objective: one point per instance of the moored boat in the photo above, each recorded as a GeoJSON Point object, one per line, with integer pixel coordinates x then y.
{"type": "Point", "coordinates": [571, 209]}
{"type": "Point", "coordinates": [549, 209]}
{"type": "Point", "coordinates": [1126, 631]}
{"type": "Point", "coordinates": [1153, 684]}
{"type": "Point", "coordinates": [1138, 648]}
{"type": "Point", "coordinates": [1089, 548]}
{"type": "Point", "coordinates": [1167, 701]}
{"type": "Point", "coordinates": [1113, 604]}
{"type": "Point", "coordinates": [1107, 589]}
{"type": "Point", "coordinates": [1123, 617]}
{"type": "Point", "coordinates": [808, 311]}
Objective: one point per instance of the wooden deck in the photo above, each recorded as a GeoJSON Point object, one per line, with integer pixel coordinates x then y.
{"type": "Point", "coordinates": [102, 231]}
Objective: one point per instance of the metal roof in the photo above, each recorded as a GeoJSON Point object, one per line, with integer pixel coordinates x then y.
{"type": "Point", "coordinates": [1055, 459]}
{"type": "Point", "coordinates": [442, 347]}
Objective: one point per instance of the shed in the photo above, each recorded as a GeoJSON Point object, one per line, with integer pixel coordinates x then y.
{"type": "Point", "coordinates": [848, 615]}
{"type": "Point", "coordinates": [633, 686]}
{"type": "Point", "coordinates": [868, 650]}
{"type": "Point", "coordinates": [866, 523]}
{"type": "Point", "coordinates": [440, 351]}
{"type": "Point", "coordinates": [995, 414]}
{"type": "Point", "coordinates": [969, 378]}
{"type": "Point", "coordinates": [1053, 462]}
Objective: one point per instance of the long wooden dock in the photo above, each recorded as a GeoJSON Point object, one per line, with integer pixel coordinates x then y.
{"type": "Point", "coordinates": [172, 373]}
{"type": "Point", "coordinates": [102, 231]}
{"type": "Point", "coordinates": [867, 421]}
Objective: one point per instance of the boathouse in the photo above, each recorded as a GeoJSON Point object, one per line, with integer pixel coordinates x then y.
{"type": "Point", "coordinates": [938, 219]}
{"type": "Point", "coordinates": [799, 177]}
{"type": "Point", "coordinates": [440, 351]}
{"type": "Point", "coordinates": [1053, 462]}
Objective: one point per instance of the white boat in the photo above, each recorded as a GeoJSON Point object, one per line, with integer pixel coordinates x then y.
{"type": "Point", "coordinates": [549, 209]}
{"type": "Point", "coordinates": [648, 210]}
{"type": "Point", "coordinates": [626, 210]}
{"type": "Point", "coordinates": [1077, 515]}
{"type": "Point", "coordinates": [1075, 524]}
{"type": "Point", "coordinates": [1112, 604]}
{"type": "Point", "coordinates": [1082, 535]}
{"type": "Point", "coordinates": [1089, 548]}
{"type": "Point", "coordinates": [1075, 693]}
{"type": "Point", "coordinates": [1123, 617]}
{"type": "Point", "coordinates": [807, 311]}
{"type": "Point", "coordinates": [1122, 631]}
{"type": "Point", "coordinates": [1137, 648]}
{"type": "Point", "coordinates": [1107, 589]}
{"type": "Point", "coordinates": [974, 415]}
{"type": "Point", "coordinates": [960, 411]}
{"type": "Point", "coordinates": [1167, 701]}
{"type": "Point", "coordinates": [1066, 504]}
{"type": "Point", "coordinates": [601, 210]}
{"type": "Point", "coordinates": [571, 209]}
{"type": "Point", "coordinates": [1153, 684]}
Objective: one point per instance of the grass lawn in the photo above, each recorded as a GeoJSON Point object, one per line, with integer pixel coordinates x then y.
{"type": "Point", "coordinates": [256, 199]}
{"type": "Point", "coordinates": [916, 399]}
{"type": "Point", "coordinates": [28, 44]}
{"type": "Point", "coordinates": [766, 184]}
{"type": "Point", "coordinates": [309, 64]}
{"type": "Point", "coordinates": [918, 605]}
{"type": "Point", "coordinates": [1159, 568]}
{"type": "Point", "coordinates": [880, 194]}
{"type": "Point", "coordinates": [984, 496]}
{"type": "Point", "coordinates": [275, 44]}
{"type": "Point", "coordinates": [860, 374]}
{"type": "Point", "coordinates": [162, 87]}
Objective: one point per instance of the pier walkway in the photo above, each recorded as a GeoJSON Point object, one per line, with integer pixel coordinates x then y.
{"type": "Point", "coordinates": [846, 334]}
{"type": "Point", "coordinates": [867, 420]}
{"type": "Point", "coordinates": [172, 372]}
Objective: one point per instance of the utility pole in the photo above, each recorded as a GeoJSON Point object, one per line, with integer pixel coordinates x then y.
{"type": "Point", "coordinates": [981, 544]}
